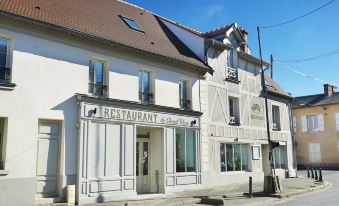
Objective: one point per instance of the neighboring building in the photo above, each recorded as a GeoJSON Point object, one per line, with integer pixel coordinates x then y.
{"type": "Point", "coordinates": [234, 134]}
{"type": "Point", "coordinates": [109, 97]}
{"type": "Point", "coordinates": [316, 125]}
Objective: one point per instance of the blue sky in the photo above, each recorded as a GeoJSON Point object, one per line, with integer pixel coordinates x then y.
{"type": "Point", "coordinates": [314, 35]}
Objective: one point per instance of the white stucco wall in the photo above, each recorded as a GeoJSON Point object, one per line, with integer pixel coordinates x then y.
{"type": "Point", "coordinates": [48, 73]}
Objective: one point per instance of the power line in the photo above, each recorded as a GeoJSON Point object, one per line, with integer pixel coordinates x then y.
{"type": "Point", "coordinates": [300, 17]}
{"type": "Point", "coordinates": [311, 58]}
{"type": "Point", "coordinates": [309, 76]}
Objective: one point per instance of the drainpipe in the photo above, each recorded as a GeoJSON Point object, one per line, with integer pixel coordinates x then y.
{"type": "Point", "coordinates": [293, 139]}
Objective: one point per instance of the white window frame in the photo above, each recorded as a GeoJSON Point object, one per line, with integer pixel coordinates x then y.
{"type": "Point", "coordinates": [279, 118]}
{"type": "Point", "coordinates": [236, 107]}
{"type": "Point", "coordinates": [9, 54]}
{"type": "Point", "coordinates": [256, 152]}
{"type": "Point", "coordinates": [241, 160]}
{"type": "Point", "coordinates": [105, 74]}
{"type": "Point", "coordinates": [314, 120]}
{"type": "Point", "coordinates": [282, 150]}
{"type": "Point", "coordinates": [195, 132]}
{"type": "Point", "coordinates": [151, 82]}
{"type": "Point", "coordinates": [188, 90]}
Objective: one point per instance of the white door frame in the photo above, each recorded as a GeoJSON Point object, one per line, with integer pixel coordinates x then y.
{"type": "Point", "coordinates": [141, 178]}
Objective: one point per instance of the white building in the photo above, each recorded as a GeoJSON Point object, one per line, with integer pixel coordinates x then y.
{"type": "Point", "coordinates": [111, 101]}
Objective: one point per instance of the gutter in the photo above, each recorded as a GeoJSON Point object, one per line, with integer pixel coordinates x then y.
{"type": "Point", "coordinates": [99, 39]}
{"type": "Point", "coordinates": [252, 59]}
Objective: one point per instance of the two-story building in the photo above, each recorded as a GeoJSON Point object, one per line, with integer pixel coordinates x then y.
{"type": "Point", "coordinates": [316, 125]}
{"type": "Point", "coordinates": [109, 97]}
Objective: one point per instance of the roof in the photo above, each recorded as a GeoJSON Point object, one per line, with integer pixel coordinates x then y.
{"type": "Point", "coordinates": [274, 88]}
{"type": "Point", "coordinates": [315, 100]}
{"type": "Point", "coordinates": [101, 19]}
{"type": "Point", "coordinates": [220, 30]}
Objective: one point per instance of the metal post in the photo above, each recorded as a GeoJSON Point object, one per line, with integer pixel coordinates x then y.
{"type": "Point", "coordinates": [250, 188]}
{"type": "Point", "coordinates": [272, 169]}
{"type": "Point", "coordinates": [312, 174]}
{"type": "Point", "coordinates": [271, 66]}
{"type": "Point", "coordinates": [315, 174]}
{"type": "Point", "coordinates": [308, 172]}
{"type": "Point", "coordinates": [320, 175]}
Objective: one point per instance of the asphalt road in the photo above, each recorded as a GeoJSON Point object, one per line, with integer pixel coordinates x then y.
{"type": "Point", "coordinates": [328, 197]}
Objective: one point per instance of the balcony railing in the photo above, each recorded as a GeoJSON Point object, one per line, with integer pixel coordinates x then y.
{"type": "Point", "coordinates": [185, 104]}
{"type": "Point", "coordinates": [275, 126]}
{"type": "Point", "coordinates": [98, 90]}
{"type": "Point", "coordinates": [232, 75]}
{"type": "Point", "coordinates": [234, 121]}
{"type": "Point", "coordinates": [5, 75]}
{"type": "Point", "coordinates": [146, 97]}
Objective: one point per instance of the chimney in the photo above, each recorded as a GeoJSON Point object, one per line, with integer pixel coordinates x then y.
{"type": "Point", "coordinates": [329, 89]}
{"type": "Point", "coordinates": [244, 47]}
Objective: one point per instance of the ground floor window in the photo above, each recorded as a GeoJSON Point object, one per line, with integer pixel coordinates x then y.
{"type": "Point", "coordinates": [2, 127]}
{"type": "Point", "coordinates": [186, 141]}
{"type": "Point", "coordinates": [233, 157]}
{"type": "Point", "coordinates": [280, 157]}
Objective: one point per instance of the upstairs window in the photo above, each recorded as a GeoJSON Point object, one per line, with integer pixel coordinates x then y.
{"type": "Point", "coordinates": [276, 118]}
{"type": "Point", "coordinates": [231, 72]}
{"type": "Point", "coordinates": [145, 87]}
{"type": "Point", "coordinates": [5, 71]}
{"type": "Point", "coordinates": [185, 102]}
{"type": "Point", "coordinates": [234, 115]}
{"type": "Point", "coordinates": [312, 123]}
{"type": "Point", "coordinates": [132, 24]}
{"type": "Point", "coordinates": [97, 82]}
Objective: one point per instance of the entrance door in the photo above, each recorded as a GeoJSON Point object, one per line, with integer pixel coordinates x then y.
{"type": "Point", "coordinates": [47, 159]}
{"type": "Point", "coordinates": [142, 165]}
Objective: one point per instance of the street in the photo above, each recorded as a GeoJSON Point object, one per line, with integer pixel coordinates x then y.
{"type": "Point", "coordinates": [326, 198]}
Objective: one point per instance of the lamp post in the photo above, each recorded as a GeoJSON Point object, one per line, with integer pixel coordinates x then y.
{"type": "Point", "coordinates": [270, 184]}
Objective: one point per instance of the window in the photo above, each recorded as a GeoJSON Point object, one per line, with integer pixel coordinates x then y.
{"type": "Point", "coordinates": [233, 104]}
{"type": "Point", "coordinates": [231, 72]}
{"type": "Point", "coordinates": [233, 157]}
{"type": "Point", "coordinates": [280, 157]}
{"type": "Point", "coordinates": [185, 150]}
{"type": "Point", "coordinates": [132, 24]}
{"type": "Point", "coordinates": [97, 78]}
{"type": "Point", "coordinates": [2, 127]}
{"type": "Point", "coordinates": [276, 118]}
{"type": "Point", "coordinates": [312, 123]}
{"type": "Point", "coordinates": [5, 71]}
{"type": "Point", "coordinates": [337, 120]}
{"type": "Point", "coordinates": [185, 102]}
{"type": "Point", "coordinates": [145, 87]}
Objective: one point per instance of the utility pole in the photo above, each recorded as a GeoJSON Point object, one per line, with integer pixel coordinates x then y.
{"type": "Point", "coordinates": [271, 66]}
{"type": "Point", "coordinates": [269, 181]}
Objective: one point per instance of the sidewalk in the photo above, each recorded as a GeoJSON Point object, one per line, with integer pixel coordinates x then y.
{"type": "Point", "coordinates": [226, 195]}
{"type": "Point", "coordinates": [222, 195]}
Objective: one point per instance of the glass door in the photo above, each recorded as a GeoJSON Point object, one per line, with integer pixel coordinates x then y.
{"type": "Point", "coordinates": [142, 166]}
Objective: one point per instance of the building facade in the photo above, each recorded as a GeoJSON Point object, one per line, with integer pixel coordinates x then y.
{"type": "Point", "coordinates": [316, 125]}
{"type": "Point", "coordinates": [128, 105]}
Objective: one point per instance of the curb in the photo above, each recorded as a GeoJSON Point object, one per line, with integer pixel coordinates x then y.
{"type": "Point", "coordinates": [320, 186]}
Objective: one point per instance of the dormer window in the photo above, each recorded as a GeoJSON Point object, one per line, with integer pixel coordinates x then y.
{"type": "Point", "coordinates": [132, 24]}
{"type": "Point", "coordinates": [231, 71]}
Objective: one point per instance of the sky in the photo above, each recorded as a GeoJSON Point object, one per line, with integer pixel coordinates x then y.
{"type": "Point", "coordinates": [311, 36]}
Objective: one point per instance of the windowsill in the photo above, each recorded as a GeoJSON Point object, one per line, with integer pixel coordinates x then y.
{"type": "Point", "coordinates": [7, 86]}
{"type": "Point", "coordinates": [234, 172]}
{"type": "Point", "coordinates": [234, 124]}
{"type": "Point", "coordinates": [276, 130]}
{"type": "Point", "coordinates": [185, 173]}
{"type": "Point", "coordinates": [4, 172]}
{"type": "Point", "coordinates": [232, 81]}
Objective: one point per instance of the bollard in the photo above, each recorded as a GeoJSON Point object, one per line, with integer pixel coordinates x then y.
{"type": "Point", "coordinates": [315, 174]}
{"type": "Point", "coordinates": [320, 175]}
{"type": "Point", "coordinates": [312, 174]}
{"type": "Point", "coordinates": [250, 188]}
{"type": "Point", "coordinates": [308, 172]}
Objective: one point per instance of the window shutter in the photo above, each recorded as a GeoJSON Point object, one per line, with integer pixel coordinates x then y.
{"type": "Point", "coordinates": [294, 124]}
{"type": "Point", "coordinates": [321, 122]}
{"type": "Point", "coordinates": [304, 124]}
{"type": "Point", "coordinates": [337, 120]}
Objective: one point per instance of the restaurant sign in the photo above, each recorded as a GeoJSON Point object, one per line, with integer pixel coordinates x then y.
{"type": "Point", "coordinates": [112, 113]}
